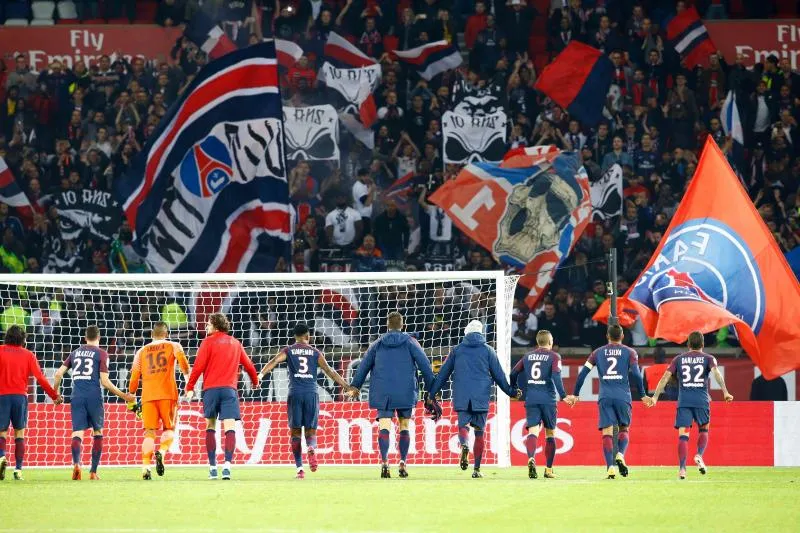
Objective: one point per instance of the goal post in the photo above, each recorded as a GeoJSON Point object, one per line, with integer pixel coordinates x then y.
{"type": "Point", "coordinates": [345, 311]}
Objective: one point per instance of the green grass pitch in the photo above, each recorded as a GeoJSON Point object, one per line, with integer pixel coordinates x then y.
{"type": "Point", "coordinates": [434, 499]}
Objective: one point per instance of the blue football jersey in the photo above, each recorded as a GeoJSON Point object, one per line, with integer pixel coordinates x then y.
{"type": "Point", "coordinates": [692, 370]}
{"type": "Point", "coordinates": [613, 362]}
{"type": "Point", "coordinates": [87, 362]}
{"type": "Point", "coordinates": [302, 361]}
{"type": "Point", "coordinates": [539, 366]}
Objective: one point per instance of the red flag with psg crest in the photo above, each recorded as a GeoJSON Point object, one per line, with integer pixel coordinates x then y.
{"type": "Point", "coordinates": [719, 265]}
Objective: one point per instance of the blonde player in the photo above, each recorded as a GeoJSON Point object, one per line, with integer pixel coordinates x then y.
{"type": "Point", "coordinates": [155, 365]}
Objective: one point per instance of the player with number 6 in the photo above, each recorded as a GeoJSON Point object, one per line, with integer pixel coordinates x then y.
{"type": "Point", "coordinates": [692, 369]}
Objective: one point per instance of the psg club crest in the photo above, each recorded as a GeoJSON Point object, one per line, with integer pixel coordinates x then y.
{"type": "Point", "coordinates": [704, 260]}
{"type": "Point", "coordinates": [207, 168]}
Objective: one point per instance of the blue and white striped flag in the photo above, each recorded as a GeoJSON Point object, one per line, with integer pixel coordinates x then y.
{"type": "Point", "coordinates": [730, 119]}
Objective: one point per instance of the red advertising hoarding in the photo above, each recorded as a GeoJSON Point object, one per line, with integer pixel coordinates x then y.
{"type": "Point", "coordinates": [756, 39]}
{"type": "Point", "coordinates": [68, 44]}
{"type": "Point", "coordinates": [348, 434]}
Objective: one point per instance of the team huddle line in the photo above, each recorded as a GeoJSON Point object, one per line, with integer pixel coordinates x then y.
{"type": "Point", "coordinates": [392, 362]}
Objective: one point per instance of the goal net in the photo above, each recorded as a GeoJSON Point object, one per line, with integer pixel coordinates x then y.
{"type": "Point", "coordinates": [345, 312]}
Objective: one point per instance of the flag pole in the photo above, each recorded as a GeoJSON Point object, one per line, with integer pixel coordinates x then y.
{"type": "Point", "coordinates": [611, 286]}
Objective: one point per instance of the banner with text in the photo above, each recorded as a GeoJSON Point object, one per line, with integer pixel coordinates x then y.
{"type": "Point", "coordinates": [348, 435]}
{"type": "Point", "coordinates": [756, 39]}
{"type": "Point", "coordinates": [69, 44]}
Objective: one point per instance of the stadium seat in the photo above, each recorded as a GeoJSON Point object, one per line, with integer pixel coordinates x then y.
{"type": "Point", "coordinates": [786, 8]}
{"type": "Point", "coordinates": [43, 10]}
{"type": "Point", "coordinates": [43, 22]}
{"type": "Point", "coordinates": [66, 10]}
{"type": "Point", "coordinates": [146, 12]}
{"type": "Point", "coordinates": [16, 22]}
{"type": "Point", "coordinates": [17, 11]}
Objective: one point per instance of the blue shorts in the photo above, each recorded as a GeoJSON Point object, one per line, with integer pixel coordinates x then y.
{"type": "Point", "coordinates": [14, 410]}
{"type": "Point", "coordinates": [303, 410]}
{"type": "Point", "coordinates": [221, 403]}
{"type": "Point", "coordinates": [472, 418]}
{"type": "Point", "coordinates": [401, 413]}
{"type": "Point", "coordinates": [614, 413]}
{"type": "Point", "coordinates": [86, 413]}
{"type": "Point", "coordinates": [543, 413]}
{"type": "Point", "coordinates": [686, 415]}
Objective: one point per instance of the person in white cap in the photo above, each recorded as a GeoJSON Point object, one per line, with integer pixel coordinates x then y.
{"type": "Point", "coordinates": [475, 368]}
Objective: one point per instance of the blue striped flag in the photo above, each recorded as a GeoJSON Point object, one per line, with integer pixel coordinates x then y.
{"type": "Point", "coordinates": [208, 193]}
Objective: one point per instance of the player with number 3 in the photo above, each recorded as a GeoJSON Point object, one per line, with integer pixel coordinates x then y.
{"type": "Point", "coordinates": [302, 402]}
{"type": "Point", "coordinates": [89, 364]}
{"type": "Point", "coordinates": [614, 362]}
{"type": "Point", "coordinates": [692, 370]}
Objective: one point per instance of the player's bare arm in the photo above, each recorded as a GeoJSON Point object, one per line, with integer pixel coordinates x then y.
{"type": "Point", "coordinates": [662, 384]}
{"type": "Point", "coordinates": [721, 382]}
{"type": "Point", "coordinates": [279, 358]}
{"type": "Point", "coordinates": [58, 378]}
{"type": "Point", "coordinates": [333, 374]}
{"type": "Point", "coordinates": [110, 387]}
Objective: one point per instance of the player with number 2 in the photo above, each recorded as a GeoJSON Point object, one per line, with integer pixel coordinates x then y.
{"type": "Point", "coordinates": [692, 369]}
{"type": "Point", "coordinates": [614, 362]}
{"type": "Point", "coordinates": [302, 403]}
{"type": "Point", "coordinates": [89, 364]}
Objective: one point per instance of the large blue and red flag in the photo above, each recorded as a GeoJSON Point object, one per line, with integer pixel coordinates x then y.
{"type": "Point", "coordinates": [718, 265]}
{"type": "Point", "coordinates": [431, 59]}
{"type": "Point", "coordinates": [529, 217]}
{"type": "Point", "coordinates": [13, 196]}
{"type": "Point", "coordinates": [689, 37]}
{"type": "Point", "coordinates": [578, 80]}
{"type": "Point", "coordinates": [208, 193]}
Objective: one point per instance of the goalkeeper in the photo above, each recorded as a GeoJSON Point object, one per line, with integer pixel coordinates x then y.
{"type": "Point", "coordinates": [392, 362]}
{"type": "Point", "coordinates": [475, 367]}
{"type": "Point", "coordinates": [154, 364]}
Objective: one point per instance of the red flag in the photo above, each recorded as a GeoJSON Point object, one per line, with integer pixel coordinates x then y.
{"type": "Point", "coordinates": [718, 265]}
{"type": "Point", "coordinates": [688, 35]}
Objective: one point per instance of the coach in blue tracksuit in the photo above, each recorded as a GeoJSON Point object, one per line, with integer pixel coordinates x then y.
{"type": "Point", "coordinates": [393, 361]}
{"type": "Point", "coordinates": [475, 369]}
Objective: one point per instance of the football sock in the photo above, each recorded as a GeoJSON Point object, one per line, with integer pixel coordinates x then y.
{"type": "Point", "coordinates": [166, 441]}
{"type": "Point", "coordinates": [683, 449]}
{"type": "Point", "coordinates": [97, 451]}
{"type": "Point", "coordinates": [211, 446]}
{"type": "Point", "coordinates": [403, 442]}
{"type": "Point", "coordinates": [76, 450]}
{"type": "Point", "coordinates": [530, 444]}
{"type": "Point", "coordinates": [383, 444]}
{"type": "Point", "coordinates": [230, 445]}
{"type": "Point", "coordinates": [702, 441]}
{"type": "Point", "coordinates": [19, 452]}
{"type": "Point", "coordinates": [608, 450]}
{"type": "Point", "coordinates": [2, 446]}
{"type": "Point", "coordinates": [477, 448]}
{"type": "Point", "coordinates": [297, 452]}
{"type": "Point", "coordinates": [311, 441]}
{"type": "Point", "coordinates": [550, 451]}
{"type": "Point", "coordinates": [463, 436]}
{"type": "Point", "coordinates": [622, 441]}
{"type": "Point", "coordinates": [148, 444]}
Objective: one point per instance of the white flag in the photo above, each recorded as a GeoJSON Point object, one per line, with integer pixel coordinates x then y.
{"type": "Point", "coordinates": [607, 194]}
{"type": "Point", "coordinates": [470, 138]}
{"type": "Point", "coordinates": [311, 133]}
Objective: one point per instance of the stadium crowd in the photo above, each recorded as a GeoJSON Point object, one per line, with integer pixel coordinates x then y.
{"type": "Point", "coordinates": [79, 128]}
